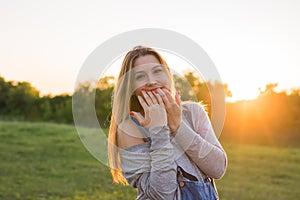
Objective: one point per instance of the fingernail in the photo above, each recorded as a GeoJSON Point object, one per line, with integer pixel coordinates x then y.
{"type": "Point", "coordinates": [131, 113]}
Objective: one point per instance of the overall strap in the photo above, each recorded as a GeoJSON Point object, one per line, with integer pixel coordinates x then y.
{"type": "Point", "coordinates": [141, 128]}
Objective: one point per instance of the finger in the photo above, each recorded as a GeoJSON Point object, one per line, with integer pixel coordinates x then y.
{"type": "Point", "coordinates": [163, 96]}
{"type": "Point", "coordinates": [159, 99]}
{"type": "Point", "coordinates": [153, 98]}
{"type": "Point", "coordinates": [177, 98]}
{"type": "Point", "coordinates": [138, 116]}
{"type": "Point", "coordinates": [169, 96]}
{"type": "Point", "coordinates": [142, 102]}
{"type": "Point", "coordinates": [147, 98]}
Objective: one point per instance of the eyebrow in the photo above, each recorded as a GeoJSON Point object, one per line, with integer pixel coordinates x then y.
{"type": "Point", "coordinates": [141, 71]}
{"type": "Point", "coordinates": [160, 65]}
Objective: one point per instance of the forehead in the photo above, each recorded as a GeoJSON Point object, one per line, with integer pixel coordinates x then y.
{"type": "Point", "coordinates": [144, 60]}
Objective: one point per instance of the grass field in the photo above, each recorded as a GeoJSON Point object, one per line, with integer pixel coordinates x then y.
{"type": "Point", "coordinates": [48, 161]}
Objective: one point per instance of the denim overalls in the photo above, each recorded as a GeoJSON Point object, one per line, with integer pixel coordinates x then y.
{"type": "Point", "coordinates": [196, 189]}
{"type": "Point", "coordinates": [190, 187]}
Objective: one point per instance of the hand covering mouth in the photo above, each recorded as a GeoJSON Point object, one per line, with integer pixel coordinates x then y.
{"type": "Point", "coordinates": [152, 89]}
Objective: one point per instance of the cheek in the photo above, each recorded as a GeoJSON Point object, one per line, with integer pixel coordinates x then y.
{"type": "Point", "coordinates": [137, 88]}
{"type": "Point", "coordinates": [166, 81]}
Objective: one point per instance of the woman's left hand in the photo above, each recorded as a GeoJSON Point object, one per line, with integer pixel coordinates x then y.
{"type": "Point", "coordinates": [173, 108]}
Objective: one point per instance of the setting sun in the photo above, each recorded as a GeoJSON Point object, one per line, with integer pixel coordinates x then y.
{"type": "Point", "coordinates": [243, 92]}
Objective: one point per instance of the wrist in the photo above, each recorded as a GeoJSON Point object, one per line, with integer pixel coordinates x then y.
{"type": "Point", "coordinates": [174, 130]}
{"type": "Point", "coordinates": [175, 127]}
{"type": "Point", "coordinates": [159, 128]}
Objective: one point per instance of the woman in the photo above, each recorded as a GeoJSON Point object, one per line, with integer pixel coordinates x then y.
{"type": "Point", "coordinates": [165, 149]}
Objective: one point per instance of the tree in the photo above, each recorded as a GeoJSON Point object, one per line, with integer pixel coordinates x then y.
{"type": "Point", "coordinates": [18, 99]}
{"type": "Point", "coordinates": [193, 88]}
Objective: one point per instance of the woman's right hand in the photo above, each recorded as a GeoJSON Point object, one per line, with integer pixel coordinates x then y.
{"type": "Point", "coordinates": [154, 109]}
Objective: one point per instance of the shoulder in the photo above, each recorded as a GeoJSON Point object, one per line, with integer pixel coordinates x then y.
{"type": "Point", "coordinates": [128, 134]}
{"type": "Point", "coordinates": [194, 107]}
{"type": "Point", "coordinates": [196, 115]}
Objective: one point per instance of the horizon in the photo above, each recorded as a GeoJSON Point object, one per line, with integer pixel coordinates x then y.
{"type": "Point", "coordinates": [227, 99]}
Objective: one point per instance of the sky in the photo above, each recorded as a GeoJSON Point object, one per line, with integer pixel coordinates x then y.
{"type": "Point", "coordinates": [252, 43]}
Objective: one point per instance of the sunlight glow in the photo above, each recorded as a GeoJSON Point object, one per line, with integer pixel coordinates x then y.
{"type": "Point", "coordinates": [242, 92]}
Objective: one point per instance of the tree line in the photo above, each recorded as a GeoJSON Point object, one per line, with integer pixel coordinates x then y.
{"type": "Point", "coordinates": [271, 118]}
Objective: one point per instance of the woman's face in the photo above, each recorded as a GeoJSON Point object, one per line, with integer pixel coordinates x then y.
{"type": "Point", "coordinates": [149, 74]}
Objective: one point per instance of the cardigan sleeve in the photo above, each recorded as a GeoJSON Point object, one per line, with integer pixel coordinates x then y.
{"type": "Point", "coordinates": [200, 142]}
{"type": "Point", "coordinates": [152, 170]}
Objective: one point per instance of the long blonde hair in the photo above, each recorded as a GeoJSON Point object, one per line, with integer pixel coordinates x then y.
{"type": "Point", "coordinates": [124, 101]}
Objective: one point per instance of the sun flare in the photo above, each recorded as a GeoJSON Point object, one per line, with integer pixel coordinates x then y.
{"type": "Point", "coordinates": [242, 92]}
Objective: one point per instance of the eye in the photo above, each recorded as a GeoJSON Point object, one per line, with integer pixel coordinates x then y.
{"type": "Point", "coordinates": [140, 77]}
{"type": "Point", "coordinates": [157, 71]}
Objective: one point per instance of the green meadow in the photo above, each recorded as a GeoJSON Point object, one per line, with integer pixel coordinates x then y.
{"type": "Point", "coordinates": [49, 161]}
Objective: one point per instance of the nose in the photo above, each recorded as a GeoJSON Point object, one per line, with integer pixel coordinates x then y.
{"type": "Point", "coordinates": [151, 80]}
